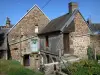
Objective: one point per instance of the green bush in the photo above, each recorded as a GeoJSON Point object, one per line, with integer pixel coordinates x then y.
{"type": "Point", "coordinates": [90, 53]}
{"type": "Point", "coordinates": [84, 67]}
{"type": "Point", "coordinates": [11, 67]}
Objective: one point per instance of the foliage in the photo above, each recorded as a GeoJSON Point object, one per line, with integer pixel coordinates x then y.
{"type": "Point", "coordinates": [90, 53]}
{"type": "Point", "coordinates": [11, 67]}
{"type": "Point", "coordinates": [85, 67]}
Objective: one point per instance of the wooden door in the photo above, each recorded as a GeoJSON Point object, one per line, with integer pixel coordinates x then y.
{"type": "Point", "coordinates": [66, 43]}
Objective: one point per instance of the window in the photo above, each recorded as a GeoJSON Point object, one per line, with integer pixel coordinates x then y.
{"type": "Point", "coordinates": [36, 28]}
{"type": "Point", "coordinates": [26, 60]}
{"type": "Point", "coordinates": [47, 41]}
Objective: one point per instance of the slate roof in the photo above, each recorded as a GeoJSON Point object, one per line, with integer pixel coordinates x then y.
{"type": "Point", "coordinates": [4, 30]}
{"type": "Point", "coordinates": [95, 28]}
{"type": "Point", "coordinates": [1, 27]}
{"type": "Point", "coordinates": [61, 24]}
{"type": "Point", "coordinates": [55, 24]}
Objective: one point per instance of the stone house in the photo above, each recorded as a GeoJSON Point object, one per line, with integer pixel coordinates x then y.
{"type": "Point", "coordinates": [94, 36]}
{"type": "Point", "coordinates": [69, 33]}
{"type": "Point", "coordinates": [4, 46]}
{"type": "Point", "coordinates": [8, 24]}
{"type": "Point", "coordinates": [35, 34]}
{"type": "Point", "coordinates": [23, 40]}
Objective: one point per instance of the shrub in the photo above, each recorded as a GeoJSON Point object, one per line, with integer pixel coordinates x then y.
{"type": "Point", "coordinates": [90, 53]}
{"type": "Point", "coordinates": [11, 67]}
{"type": "Point", "coordinates": [85, 67]}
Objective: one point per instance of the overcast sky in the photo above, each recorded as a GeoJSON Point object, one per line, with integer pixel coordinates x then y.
{"type": "Point", "coordinates": [15, 9]}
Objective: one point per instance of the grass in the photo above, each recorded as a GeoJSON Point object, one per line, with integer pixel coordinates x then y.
{"type": "Point", "coordinates": [11, 67]}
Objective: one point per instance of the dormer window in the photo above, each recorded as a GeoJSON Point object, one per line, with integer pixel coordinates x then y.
{"type": "Point", "coordinates": [36, 28]}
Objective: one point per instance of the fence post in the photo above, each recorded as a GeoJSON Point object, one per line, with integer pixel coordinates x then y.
{"type": "Point", "coordinates": [60, 61]}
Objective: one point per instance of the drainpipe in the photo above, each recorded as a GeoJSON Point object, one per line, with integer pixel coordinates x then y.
{"type": "Point", "coordinates": [8, 49]}
{"type": "Point", "coordinates": [20, 45]}
{"type": "Point", "coordinates": [94, 51]}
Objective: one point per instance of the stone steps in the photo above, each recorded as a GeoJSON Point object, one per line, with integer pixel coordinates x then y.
{"type": "Point", "coordinates": [70, 58]}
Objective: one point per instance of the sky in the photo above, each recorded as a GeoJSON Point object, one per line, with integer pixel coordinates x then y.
{"type": "Point", "coordinates": [15, 9]}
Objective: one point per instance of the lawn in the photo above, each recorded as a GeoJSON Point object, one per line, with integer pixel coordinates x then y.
{"type": "Point", "coordinates": [11, 67]}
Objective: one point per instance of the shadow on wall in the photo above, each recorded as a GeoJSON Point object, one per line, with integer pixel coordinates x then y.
{"type": "Point", "coordinates": [2, 38]}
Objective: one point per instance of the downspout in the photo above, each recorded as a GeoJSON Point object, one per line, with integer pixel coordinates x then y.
{"type": "Point", "coordinates": [8, 50]}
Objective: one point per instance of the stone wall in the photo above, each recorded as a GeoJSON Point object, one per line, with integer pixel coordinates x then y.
{"type": "Point", "coordinates": [95, 43]}
{"type": "Point", "coordinates": [26, 26]}
{"type": "Point", "coordinates": [15, 51]}
{"type": "Point", "coordinates": [79, 45]}
{"type": "Point", "coordinates": [79, 40]}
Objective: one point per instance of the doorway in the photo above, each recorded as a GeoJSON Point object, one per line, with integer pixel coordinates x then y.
{"type": "Point", "coordinates": [66, 43]}
{"type": "Point", "coordinates": [2, 54]}
{"type": "Point", "coordinates": [26, 60]}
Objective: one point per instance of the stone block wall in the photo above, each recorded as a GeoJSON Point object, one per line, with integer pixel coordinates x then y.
{"type": "Point", "coordinates": [79, 45]}
{"type": "Point", "coordinates": [79, 40]}
{"type": "Point", "coordinates": [95, 43]}
{"type": "Point", "coordinates": [26, 26]}
{"type": "Point", "coordinates": [34, 62]}
{"type": "Point", "coordinates": [81, 27]}
{"type": "Point", "coordinates": [15, 52]}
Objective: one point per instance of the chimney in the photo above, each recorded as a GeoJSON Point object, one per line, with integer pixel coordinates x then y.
{"type": "Point", "coordinates": [72, 6]}
{"type": "Point", "coordinates": [8, 22]}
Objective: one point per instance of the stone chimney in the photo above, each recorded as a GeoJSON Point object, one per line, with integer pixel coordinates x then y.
{"type": "Point", "coordinates": [8, 22]}
{"type": "Point", "coordinates": [72, 6]}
